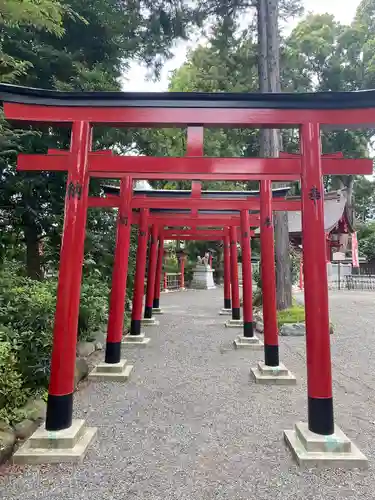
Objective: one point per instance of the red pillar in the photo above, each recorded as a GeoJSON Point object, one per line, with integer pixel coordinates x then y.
{"type": "Point", "coordinates": [328, 246]}
{"type": "Point", "coordinates": [75, 296]}
{"type": "Point", "coordinates": [120, 274]}
{"type": "Point", "coordinates": [301, 274]}
{"type": "Point", "coordinates": [211, 260]}
{"type": "Point", "coordinates": [319, 378]}
{"type": "Point", "coordinates": [236, 312]}
{"type": "Point", "coordinates": [139, 280]}
{"type": "Point", "coordinates": [227, 299]}
{"type": "Point", "coordinates": [159, 269]}
{"type": "Point", "coordinates": [267, 246]}
{"type": "Point", "coordinates": [61, 386]}
{"type": "Point", "coordinates": [165, 281]}
{"type": "Point", "coordinates": [151, 271]}
{"type": "Point", "coordinates": [182, 272]}
{"type": "Point", "coordinates": [247, 279]}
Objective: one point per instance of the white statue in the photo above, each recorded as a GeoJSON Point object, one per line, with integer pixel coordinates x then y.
{"type": "Point", "coordinates": [206, 259]}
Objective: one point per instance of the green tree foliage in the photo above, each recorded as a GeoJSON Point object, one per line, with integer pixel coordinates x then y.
{"type": "Point", "coordinates": [43, 15]}
{"type": "Point", "coordinates": [319, 55]}
{"type": "Point", "coordinates": [366, 240]}
{"type": "Point", "coordinates": [364, 193]}
{"type": "Point", "coordinates": [90, 49]}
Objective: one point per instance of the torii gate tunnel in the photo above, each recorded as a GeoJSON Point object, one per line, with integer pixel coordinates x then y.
{"type": "Point", "coordinates": [83, 111]}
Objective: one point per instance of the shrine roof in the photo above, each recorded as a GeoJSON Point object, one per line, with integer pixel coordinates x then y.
{"type": "Point", "coordinates": [285, 100]}
{"type": "Point", "coordinates": [334, 207]}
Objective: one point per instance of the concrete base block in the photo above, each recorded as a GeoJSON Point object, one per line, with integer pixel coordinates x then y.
{"type": "Point", "coordinates": [273, 375]}
{"type": "Point", "coordinates": [150, 322]}
{"type": "Point", "coordinates": [248, 343]}
{"type": "Point", "coordinates": [234, 323]}
{"type": "Point", "coordinates": [313, 450]}
{"type": "Point", "coordinates": [157, 310]}
{"type": "Point", "coordinates": [135, 340]}
{"type": "Point", "coordinates": [225, 312]}
{"type": "Point", "coordinates": [47, 447]}
{"type": "Point", "coordinates": [116, 372]}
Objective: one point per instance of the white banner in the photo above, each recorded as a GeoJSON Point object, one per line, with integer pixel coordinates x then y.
{"type": "Point", "coordinates": [355, 258]}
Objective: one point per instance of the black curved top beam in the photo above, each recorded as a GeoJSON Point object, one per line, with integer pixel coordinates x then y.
{"type": "Point", "coordinates": [318, 100]}
{"type": "Point", "coordinates": [167, 211]}
{"type": "Point", "coordinates": [174, 193]}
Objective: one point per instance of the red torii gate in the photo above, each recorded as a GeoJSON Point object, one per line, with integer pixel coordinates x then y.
{"type": "Point", "coordinates": [307, 112]}
{"type": "Point", "coordinates": [193, 202]}
{"type": "Point", "coordinates": [113, 350]}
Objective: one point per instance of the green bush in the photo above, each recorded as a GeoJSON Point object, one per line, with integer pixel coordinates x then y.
{"type": "Point", "coordinates": [27, 304]}
{"type": "Point", "coordinates": [12, 395]}
{"type": "Point", "coordinates": [93, 310]}
{"type": "Point", "coordinates": [27, 310]}
{"type": "Point", "coordinates": [296, 314]}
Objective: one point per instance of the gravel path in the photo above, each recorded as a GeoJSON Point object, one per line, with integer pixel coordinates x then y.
{"type": "Point", "coordinates": [191, 425]}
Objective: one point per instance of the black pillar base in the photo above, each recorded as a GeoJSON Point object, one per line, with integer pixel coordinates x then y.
{"type": "Point", "coordinates": [236, 313]}
{"type": "Point", "coordinates": [320, 415]}
{"type": "Point", "coordinates": [113, 352]}
{"type": "Point", "coordinates": [148, 312]}
{"type": "Point", "coordinates": [59, 412]}
{"type": "Point", "coordinates": [227, 304]}
{"type": "Point", "coordinates": [271, 355]}
{"type": "Point", "coordinates": [156, 304]}
{"type": "Point", "coordinates": [135, 327]}
{"type": "Point", "coordinates": [248, 329]}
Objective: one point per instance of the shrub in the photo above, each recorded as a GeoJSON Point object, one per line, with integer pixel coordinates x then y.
{"type": "Point", "coordinates": [93, 310]}
{"type": "Point", "coordinates": [27, 304]}
{"type": "Point", "coordinates": [27, 310]}
{"type": "Point", "coordinates": [257, 298]}
{"type": "Point", "coordinates": [26, 313]}
{"type": "Point", "coordinates": [296, 314]}
{"type": "Point", "coordinates": [12, 395]}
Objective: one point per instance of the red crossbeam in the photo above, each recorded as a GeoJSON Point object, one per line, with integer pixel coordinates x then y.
{"type": "Point", "coordinates": [110, 201]}
{"type": "Point", "coordinates": [113, 201]}
{"type": "Point", "coordinates": [253, 203]}
{"type": "Point", "coordinates": [170, 176]}
{"type": "Point", "coordinates": [217, 168]}
{"type": "Point", "coordinates": [157, 117]}
{"type": "Point", "coordinates": [202, 220]}
{"type": "Point", "coordinates": [284, 154]}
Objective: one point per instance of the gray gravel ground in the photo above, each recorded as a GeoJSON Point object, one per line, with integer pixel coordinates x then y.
{"type": "Point", "coordinates": [191, 425]}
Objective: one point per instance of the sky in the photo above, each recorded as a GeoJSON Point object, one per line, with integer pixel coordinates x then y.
{"type": "Point", "coordinates": [343, 10]}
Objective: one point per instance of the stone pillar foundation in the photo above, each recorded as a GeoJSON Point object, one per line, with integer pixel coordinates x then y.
{"type": "Point", "coordinates": [116, 372]}
{"type": "Point", "coordinates": [314, 450]}
{"type": "Point", "coordinates": [55, 447]}
{"type": "Point", "coordinates": [253, 343]}
{"type": "Point", "coordinates": [135, 340]}
{"type": "Point", "coordinates": [225, 312]}
{"type": "Point", "coordinates": [234, 323]}
{"type": "Point", "coordinates": [272, 375]}
{"type": "Point", "coordinates": [149, 322]}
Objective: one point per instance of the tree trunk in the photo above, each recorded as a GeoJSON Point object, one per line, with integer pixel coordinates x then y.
{"type": "Point", "coordinates": [269, 81]}
{"type": "Point", "coordinates": [33, 259]}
